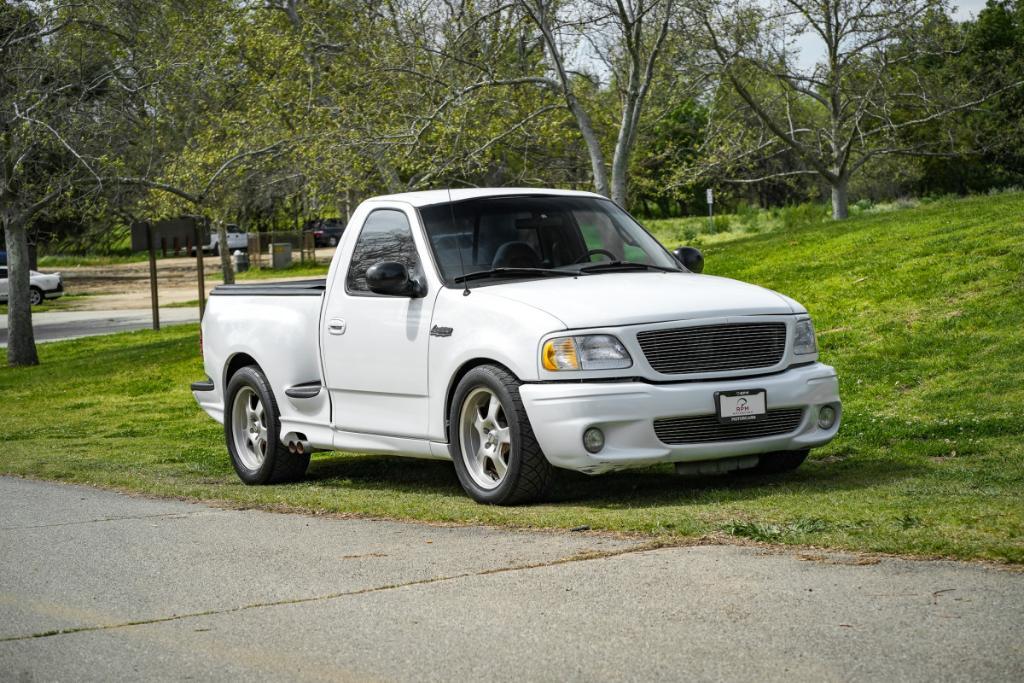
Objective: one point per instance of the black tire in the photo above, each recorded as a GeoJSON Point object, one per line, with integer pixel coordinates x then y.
{"type": "Point", "coordinates": [35, 296]}
{"type": "Point", "coordinates": [529, 474]}
{"type": "Point", "coordinates": [278, 465]}
{"type": "Point", "coordinates": [779, 461]}
{"type": "Point", "coordinates": [333, 241]}
{"type": "Point", "coordinates": [216, 250]}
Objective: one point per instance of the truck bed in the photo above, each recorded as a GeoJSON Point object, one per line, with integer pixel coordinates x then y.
{"type": "Point", "coordinates": [270, 327]}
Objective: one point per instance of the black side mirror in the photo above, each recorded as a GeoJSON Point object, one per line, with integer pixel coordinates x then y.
{"type": "Point", "coordinates": [392, 279]}
{"type": "Point", "coordinates": [691, 258]}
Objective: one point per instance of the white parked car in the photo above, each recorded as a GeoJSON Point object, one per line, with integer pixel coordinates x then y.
{"type": "Point", "coordinates": [237, 240]}
{"type": "Point", "coordinates": [43, 286]}
{"type": "Point", "coordinates": [513, 331]}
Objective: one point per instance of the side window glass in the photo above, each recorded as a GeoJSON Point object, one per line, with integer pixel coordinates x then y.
{"type": "Point", "coordinates": [386, 236]}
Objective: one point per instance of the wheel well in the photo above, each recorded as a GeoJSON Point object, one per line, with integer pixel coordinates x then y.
{"type": "Point", "coordinates": [457, 377]}
{"type": "Point", "coordinates": [237, 362]}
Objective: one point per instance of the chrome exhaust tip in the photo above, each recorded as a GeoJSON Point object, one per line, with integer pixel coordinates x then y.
{"type": "Point", "coordinates": [297, 443]}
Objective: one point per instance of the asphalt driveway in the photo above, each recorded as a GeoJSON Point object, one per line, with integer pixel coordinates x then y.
{"type": "Point", "coordinates": [58, 325]}
{"type": "Point", "coordinates": [96, 585]}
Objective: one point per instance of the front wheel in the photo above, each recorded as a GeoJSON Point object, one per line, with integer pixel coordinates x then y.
{"type": "Point", "coordinates": [496, 456]}
{"type": "Point", "coordinates": [252, 430]}
{"type": "Point", "coordinates": [35, 296]}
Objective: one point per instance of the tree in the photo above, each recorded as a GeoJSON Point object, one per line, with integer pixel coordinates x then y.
{"type": "Point", "coordinates": [859, 100]}
{"type": "Point", "coordinates": [991, 136]}
{"type": "Point", "coordinates": [628, 36]}
{"type": "Point", "coordinates": [55, 83]}
{"type": "Point", "coordinates": [224, 101]}
{"type": "Point", "coordinates": [473, 77]}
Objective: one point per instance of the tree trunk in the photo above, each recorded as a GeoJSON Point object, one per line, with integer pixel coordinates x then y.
{"type": "Point", "coordinates": [225, 253]}
{"type": "Point", "coordinates": [21, 342]}
{"type": "Point", "coordinates": [586, 127]}
{"type": "Point", "coordinates": [620, 168]}
{"type": "Point", "coordinates": [625, 142]}
{"type": "Point", "coordinates": [840, 199]}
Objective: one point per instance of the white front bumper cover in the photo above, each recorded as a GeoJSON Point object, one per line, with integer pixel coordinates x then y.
{"type": "Point", "coordinates": [560, 412]}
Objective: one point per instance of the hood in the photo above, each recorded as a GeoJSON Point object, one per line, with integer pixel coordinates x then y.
{"type": "Point", "coordinates": [611, 299]}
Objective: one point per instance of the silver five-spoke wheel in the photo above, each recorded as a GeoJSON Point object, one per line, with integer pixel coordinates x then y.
{"type": "Point", "coordinates": [486, 440]}
{"type": "Point", "coordinates": [249, 422]}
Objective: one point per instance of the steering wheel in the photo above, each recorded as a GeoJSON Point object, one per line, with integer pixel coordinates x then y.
{"type": "Point", "coordinates": [592, 252]}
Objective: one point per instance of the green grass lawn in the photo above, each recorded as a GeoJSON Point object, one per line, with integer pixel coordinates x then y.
{"type": "Point", "coordinates": [64, 303]}
{"type": "Point", "coordinates": [296, 270]}
{"type": "Point", "coordinates": [921, 310]}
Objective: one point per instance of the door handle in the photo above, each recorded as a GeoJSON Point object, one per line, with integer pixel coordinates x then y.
{"type": "Point", "coordinates": [336, 326]}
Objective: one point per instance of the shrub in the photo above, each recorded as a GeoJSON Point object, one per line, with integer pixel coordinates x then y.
{"type": "Point", "coordinates": [803, 214]}
{"type": "Point", "coordinates": [722, 223]}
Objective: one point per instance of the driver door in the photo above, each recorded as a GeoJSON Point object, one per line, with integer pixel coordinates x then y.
{"type": "Point", "coordinates": [375, 346]}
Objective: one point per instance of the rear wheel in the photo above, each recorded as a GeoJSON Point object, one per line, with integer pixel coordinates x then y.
{"type": "Point", "coordinates": [35, 296]}
{"type": "Point", "coordinates": [496, 455]}
{"type": "Point", "coordinates": [252, 430]}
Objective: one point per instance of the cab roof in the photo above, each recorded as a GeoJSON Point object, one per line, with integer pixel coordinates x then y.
{"type": "Point", "coordinates": [429, 197]}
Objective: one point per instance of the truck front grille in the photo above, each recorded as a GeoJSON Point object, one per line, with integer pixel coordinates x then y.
{"type": "Point", "coordinates": [712, 348]}
{"type": "Point", "coordinates": [707, 429]}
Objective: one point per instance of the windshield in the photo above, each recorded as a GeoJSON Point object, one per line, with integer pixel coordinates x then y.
{"type": "Point", "coordinates": [520, 234]}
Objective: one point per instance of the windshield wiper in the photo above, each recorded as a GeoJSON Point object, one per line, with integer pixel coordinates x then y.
{"type": "Point", "coordinates": [513, 272]}
{"type": "Point", "coordinates": [617, 265]}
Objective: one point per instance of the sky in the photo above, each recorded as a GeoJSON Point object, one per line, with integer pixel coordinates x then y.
{"type": "Point", "coordinates": [811, 49]}
{"type": "Point", "coordinates": [967, 8]}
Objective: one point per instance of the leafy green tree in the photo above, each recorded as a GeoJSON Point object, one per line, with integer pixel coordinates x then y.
{"type": "Point", "coordinates": [229, 126]}
{"type": "Point", "coordinates": [989, 149]}
{"type": "Point", "coordinates": [61, 95]}
{"type": "Point", "coordinates": [865, 97]}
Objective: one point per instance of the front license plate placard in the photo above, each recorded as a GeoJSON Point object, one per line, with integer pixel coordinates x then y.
{"type": "Point", "coordinates": [747, 405]}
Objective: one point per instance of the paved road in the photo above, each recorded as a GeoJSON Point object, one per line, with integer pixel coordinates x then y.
{"type": "Point", "coordinates": [100, 586]}
{"type": "Point", "coordinates": [57, 325]}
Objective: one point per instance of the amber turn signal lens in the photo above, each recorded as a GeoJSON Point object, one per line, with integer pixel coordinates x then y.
{"type": "Point", "coordinates": [560, 354]}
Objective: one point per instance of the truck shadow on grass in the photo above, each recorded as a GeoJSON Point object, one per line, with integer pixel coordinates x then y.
{"type": "Point", "coordinates": [653, 486]}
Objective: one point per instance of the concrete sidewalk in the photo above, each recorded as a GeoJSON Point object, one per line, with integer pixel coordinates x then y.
{"type": "Point", "coordinates": [100, 586]}
{"type": "Point", "coordinates": [59, 325]}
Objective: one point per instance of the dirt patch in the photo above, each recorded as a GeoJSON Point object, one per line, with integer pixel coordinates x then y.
{"type": "Point", "coordinates": [121, 286]}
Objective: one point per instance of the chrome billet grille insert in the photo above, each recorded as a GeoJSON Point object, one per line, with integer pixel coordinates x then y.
{"type": "Point", "coordinates": [707, 429]}
{"type": "Point", "coordinates": [713, 348]}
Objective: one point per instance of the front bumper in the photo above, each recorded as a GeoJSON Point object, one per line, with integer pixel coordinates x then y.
{"type": "Point", "coordinates": [625, 411]}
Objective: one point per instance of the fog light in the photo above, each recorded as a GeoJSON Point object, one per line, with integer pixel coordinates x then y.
{"type": "Point", "coordinates": [826, 417]}
{"type": "Point", "coordinates": [593, 440]}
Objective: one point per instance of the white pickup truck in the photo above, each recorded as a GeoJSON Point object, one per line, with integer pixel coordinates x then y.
{"type": "Point", "coordinates": [513, 331]}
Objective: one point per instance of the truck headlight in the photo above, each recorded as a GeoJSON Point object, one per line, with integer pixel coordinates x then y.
{"type": "Point", "coordinates": [803, 338]}
{"type": "Point", "coordinates": [589, 352]}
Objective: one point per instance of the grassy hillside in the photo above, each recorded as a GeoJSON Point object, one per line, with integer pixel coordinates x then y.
{"type": "Point", "coordinates": [921, 310]}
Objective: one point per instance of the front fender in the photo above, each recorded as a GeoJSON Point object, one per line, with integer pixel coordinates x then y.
{"type": "Point", "coordinates": [480, 328]}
